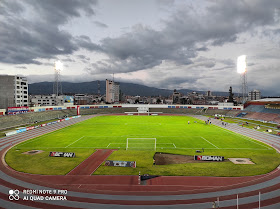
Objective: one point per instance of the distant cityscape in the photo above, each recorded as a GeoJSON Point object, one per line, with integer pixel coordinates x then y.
{"type": "Point", "coordinates": [14, 93]}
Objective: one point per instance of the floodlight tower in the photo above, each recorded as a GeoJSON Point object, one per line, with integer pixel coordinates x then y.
{"type": "Point", "coordinates": [242, 70]}
{"type": "Point", "coordinates": [57, 87]}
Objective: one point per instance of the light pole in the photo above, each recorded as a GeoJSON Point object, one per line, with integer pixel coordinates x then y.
{"type": "Point", "coordinates": [242, 70]}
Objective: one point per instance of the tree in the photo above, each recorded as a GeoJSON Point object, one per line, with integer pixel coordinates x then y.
{"type": "Point", "coordinates": [183, 100]}
{"type": "Point", "coordinates": [230, 98]}
{"type": "Point", "coordinates": [158, 100]}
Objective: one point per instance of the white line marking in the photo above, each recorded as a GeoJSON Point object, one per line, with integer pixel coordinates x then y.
{"type": "Point", "coordinates": [163, 143]}
{"type": "Point", "coordinates": [46, 134]}
{"type": "Point", "coordinates": [108, 144]}
{"type": "Point", "coordinates": [210, 142]}
{"type": "Point", "coordinates": [75, 141]}
{"type": "Point", "coordinates": [140, 143]}
{"type": "Point", "coordinates": [117, 143]}
{"type": "Point", "coordinates": [174, 145]}
{"type": "Point", "coordinates": [141, 138]}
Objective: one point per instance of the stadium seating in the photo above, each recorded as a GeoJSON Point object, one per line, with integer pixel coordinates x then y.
{"type": "Point", "coordinates": [10, 121]}
{"type": "Point", "coordinates": [269, 117]}
{"type": "Point", "coordinates": [261, 108]}
{"type": "Point", "coordinates": [242, 114]}
{"type": "Point", "coordinates": [259, 112]}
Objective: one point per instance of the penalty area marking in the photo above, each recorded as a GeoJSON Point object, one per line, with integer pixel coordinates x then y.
{"type": "Point", "coordinates": [74, 142]}
{"type": "Point", "coordinates": [210, 142]}
{"type": "Point", "coordinates": [114, 143]}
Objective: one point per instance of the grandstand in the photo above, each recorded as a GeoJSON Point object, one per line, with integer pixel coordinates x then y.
{"type": "Point", "coordinates": [263, 110]}
{"type": "Point", "coordinates": [11, 121]}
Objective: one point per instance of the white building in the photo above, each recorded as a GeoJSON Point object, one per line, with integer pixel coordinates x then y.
{"type": "Point", "coordinates": [112, 91]}
{"type": "Point", "coordinates": [254, 95]}
{"type": "Point", "coordinates": [13, 91]}
{"type": "Point", "coordinates": [47, 100]}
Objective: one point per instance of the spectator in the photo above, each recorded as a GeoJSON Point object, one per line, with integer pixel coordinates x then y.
{"type": "Point", "coordinates": [214, 205]}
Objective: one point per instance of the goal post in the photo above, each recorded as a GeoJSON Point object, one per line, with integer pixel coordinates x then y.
{"type": "Point", "coordinates": [141, 143]}
{"type": "Point", "coordinates": [143, 109]}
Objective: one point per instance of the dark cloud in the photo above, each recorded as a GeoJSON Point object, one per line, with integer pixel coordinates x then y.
{"type": "Point", "coordinates": [142, 48]}
{"type": "Point", "coordinates": [86, 43]}
{"type": "Point", "coordinates": [21, 67]}
{"type": "Point", "coordinates": [221, 22]}
{"type": "Point", "coordinates": [204, 62]}
{"type": "Point", "coordinates": [68, 60]}
{"type": "Point", "coordinates": [204, 49]}
{"type": "Point", "coordinates": [61, 11]}
{"type": "Point", "coordinates": [100, 24]}
{"type": "Point", "coordinates": [83, 57]}
{"type": "Point", "coordinates": [34, 32]}
{"type": "Point", "coordinates": [178, 80]}
{"type": "Point", "coordinates": [32, 29]}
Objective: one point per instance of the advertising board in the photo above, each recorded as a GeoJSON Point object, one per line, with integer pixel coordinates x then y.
{"type": "Point", "coordinates": [208, 158]}
{"type": "Point", "coordinates": [120, 163]}
{"type": "Point", "coordinates": [62, 154]}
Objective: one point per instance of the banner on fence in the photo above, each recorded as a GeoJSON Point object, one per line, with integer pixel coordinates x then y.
{"type": "Point", "coordinates": [120, 163]}
{"type": "Point", "coordinates": [208, 158]}
{"type": "Point", "coordinates": [62, 154]}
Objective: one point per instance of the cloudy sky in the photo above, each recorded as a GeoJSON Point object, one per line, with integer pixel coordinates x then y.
{"type": "Point", "coordinates": [160, 43]}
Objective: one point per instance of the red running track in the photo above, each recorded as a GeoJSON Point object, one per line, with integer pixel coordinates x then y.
{"type": "Point", "coordinates": [88, 166]}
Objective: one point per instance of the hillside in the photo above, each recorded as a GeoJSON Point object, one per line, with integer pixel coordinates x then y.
{"type": "Point", "coordinates": [91, 88]}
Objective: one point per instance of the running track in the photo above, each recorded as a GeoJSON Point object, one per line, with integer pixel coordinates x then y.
{"type": "Point", "coordinates": [85, 191]}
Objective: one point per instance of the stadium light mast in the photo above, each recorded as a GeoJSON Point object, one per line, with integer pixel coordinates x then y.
{"type": "Point", "coordinates": [242, 70]}
{"type": "Point", "coordinates": [57, 87]}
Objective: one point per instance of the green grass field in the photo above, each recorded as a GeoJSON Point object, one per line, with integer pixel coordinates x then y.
{"type": "Point", "coordinates": [147, 134]}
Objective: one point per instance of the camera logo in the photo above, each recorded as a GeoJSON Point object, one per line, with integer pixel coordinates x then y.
{"type": "Point", "coordinates": [14, 194]}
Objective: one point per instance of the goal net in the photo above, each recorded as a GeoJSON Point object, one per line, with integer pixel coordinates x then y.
{"type": "Point", "coordinates": [141, 143]}
{"type": "Point", "coordinates": [143, 110]}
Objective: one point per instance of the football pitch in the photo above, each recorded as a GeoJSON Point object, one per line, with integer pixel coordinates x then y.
{"type": "Point", "coordinates": [137, 138]}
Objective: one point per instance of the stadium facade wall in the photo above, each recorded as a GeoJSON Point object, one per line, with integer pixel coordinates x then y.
{"type": "Point", "coordinates": [48, 108]}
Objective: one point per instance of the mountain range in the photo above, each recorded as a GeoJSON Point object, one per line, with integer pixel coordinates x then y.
{"type": "Point", "coordinates": [132, 89]}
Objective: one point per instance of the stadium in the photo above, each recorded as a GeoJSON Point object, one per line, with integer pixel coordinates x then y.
{"type": "Point", "coordinates": [143, 156]}
{"type": "Point", "coordinates": [126, 104]}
